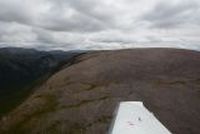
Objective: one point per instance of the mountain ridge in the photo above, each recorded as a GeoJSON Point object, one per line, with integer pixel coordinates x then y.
{"type": "Point", "coordinates": [82, 97]}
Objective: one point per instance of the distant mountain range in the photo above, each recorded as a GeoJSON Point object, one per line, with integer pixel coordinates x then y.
{"type": "Point", "coordinates": [81, 98]}
{"type": "Point", "coordinates": [21, 69]}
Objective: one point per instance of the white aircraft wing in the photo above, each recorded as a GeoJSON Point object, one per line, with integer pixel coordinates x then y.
{"type": "Point", "coordinates": [134, 118]}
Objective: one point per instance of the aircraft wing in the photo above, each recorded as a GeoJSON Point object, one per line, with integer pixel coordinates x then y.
{"type": "Point", "coordinates": [133, 118]}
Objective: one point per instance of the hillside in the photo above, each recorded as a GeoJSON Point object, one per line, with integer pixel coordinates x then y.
{"type": "Point", "coordinates": [81, 98]}
{"type": "Point", "coordinates": [21, 69]}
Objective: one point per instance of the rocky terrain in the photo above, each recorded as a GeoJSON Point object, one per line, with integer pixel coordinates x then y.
{"type": "Point", "coordinates": [81, 98]}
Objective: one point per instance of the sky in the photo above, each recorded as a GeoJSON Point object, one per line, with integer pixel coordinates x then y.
{"type": "Point", "coordinates": [99, 24]}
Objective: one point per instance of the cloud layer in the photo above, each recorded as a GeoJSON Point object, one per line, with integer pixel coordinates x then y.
{"type": "Point", "coordinates": [95, 24]}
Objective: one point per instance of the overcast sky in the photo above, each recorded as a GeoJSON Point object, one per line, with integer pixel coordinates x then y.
{"type": "Point", "coordinates": [99, 24]}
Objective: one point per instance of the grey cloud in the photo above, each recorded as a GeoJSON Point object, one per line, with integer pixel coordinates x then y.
{"type": "Point", "coordinates": [44, 36]}
{"type": "Point", "coordinates": [100, 24]}
{"type": "Point", "coordinates": [118, 40]}
{"type": "Point", "coordinates": [91, 8]}
{"type": "Point", "coordinates": [84, 17]}
{"type": "Point", "coordinates": [76, 23]}
{"type": "Point", "coordinates": [170, 15]}
{"type": "Point", "coordinates": [14, 11]}
{"type": "Point", "coordinates": [15, 32]}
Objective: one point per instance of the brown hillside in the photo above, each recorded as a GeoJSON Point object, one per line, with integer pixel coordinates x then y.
{"type": "Point", "coordinates": [81, 99]}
